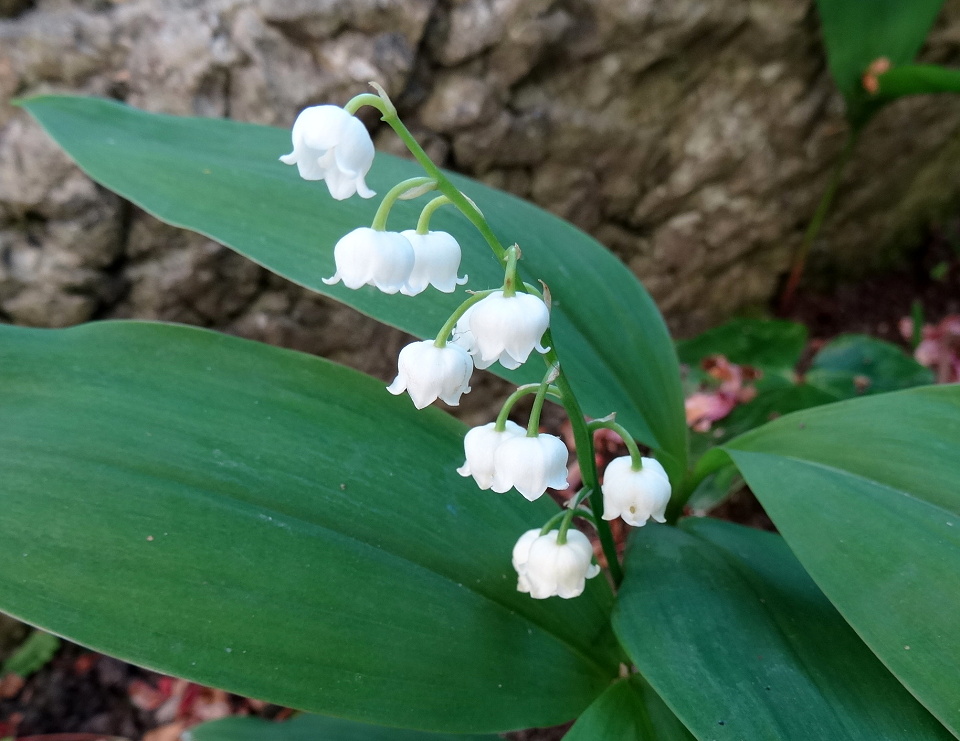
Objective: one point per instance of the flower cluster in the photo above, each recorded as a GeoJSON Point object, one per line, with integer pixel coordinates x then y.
{"type": "Point", "coordinates": [503, 325]}
{"type": "Point", "coordinates": [405, 261]}
{"type": "Point", "coordinates": [504, 459]}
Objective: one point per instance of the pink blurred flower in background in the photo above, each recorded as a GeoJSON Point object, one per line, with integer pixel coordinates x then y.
{"type": "Point", "coordinates": [703, 408]}
{"type": "Point", "coordinates": [939, 347]}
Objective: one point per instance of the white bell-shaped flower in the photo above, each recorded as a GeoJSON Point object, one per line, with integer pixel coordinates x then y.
{"type": "Point", "coordinates": [428, 372]}
{"type": "Point", "coordinates": [367, 256]}
{"type": "Point", "coordinates": [462, 335]}
{"type": "Point", "coordinates": [546, 568]}
{"type": "Point", "coordinates": [635, 495]}
{"type": "Point", "coordinates": [479, 447]}
{"type": "Point", "coordinates": [530, 465]}
{"type": "Point", "coordinates": [504, 328]}
{"type": "Point", "coordinates": [437, 262]}
{"type": "Point", "coordinates": [330, 144]}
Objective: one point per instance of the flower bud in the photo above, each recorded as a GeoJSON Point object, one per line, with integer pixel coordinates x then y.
{"type": "Point", "coordinates": [330, 144]}
{"type": "Point", "coordinates": [480, 445]}
{"type": "Point", "coordinates": [530, 465]}
{"type": "Point", "coordinates": [635, 495]}
{"type": "Point", "coordinates": [428, 372]}
{"type": "Point", "coordinates": [437, 261]}
{"type": "Point", "coordinates": [367, 256]}
{"type": "Point", "coordinates": [503, 328]}
{"type": "Point", "coordinates": [546, 568]}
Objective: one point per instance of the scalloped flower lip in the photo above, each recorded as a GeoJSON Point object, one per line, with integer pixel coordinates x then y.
{"type": "Point", "coordinates": [503, 328]}
{"type": "Point", "coordinates": [371, 257]}
{"type": "Point", "coordinates": [530, 465]}
{"type": "Point", "coordinates": [546, 568]}
{"type": "Point", "coordinates": [428, 373]}
{"type": "Point", "coordinates": [437, 258]}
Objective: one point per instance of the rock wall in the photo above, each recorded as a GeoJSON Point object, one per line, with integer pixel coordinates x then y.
{"type": "Point", "coordinates": [693, 137]}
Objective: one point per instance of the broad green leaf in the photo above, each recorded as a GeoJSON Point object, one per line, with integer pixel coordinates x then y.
{"type": "Point", "coordinates": [866, 494]}
{"type": "Point", "coordinates": [312, 728]}
{"type": "Point", "coordinates": [854, 365]}
{"type": "Point", "coordinates": [772, 344]}
{"type": "Point", "coordinates": [741, 644]}
{"type": "Point", "coordinates": [858, 32]}
{"type": "Point", "coordinates": [32, 655]}
{"type": "Point", "coordinates": [276, 525]}
{"type": "Point", "coordinates": [916, 79]}
{"type": "Point", "coordinates": [628, 711]}
{"type": "Point", "coordinates": [222, 179]}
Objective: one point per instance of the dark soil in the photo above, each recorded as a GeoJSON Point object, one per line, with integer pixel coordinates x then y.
{"type": "Point", "coordinates": [929, 280]}
{"type": "Point", "coordinates": [82, 692]}
{"type": "Point", "coordinates": [78, 691]}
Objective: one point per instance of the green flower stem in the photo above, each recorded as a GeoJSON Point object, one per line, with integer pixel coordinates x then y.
{"type": "Point", "coordinates": [383, 104]}
{"type": "Point", "coordinates": [447, 328]}
{"type": "Point", "coordinates": [510, 273]}
{"type": "Point", "coordinates": [549, 524]}
{"type": "Point", "coordinates": [567, 521]}
{"type": "Point", "coordinates": [564, 526]}
{"type": "Point", "coordinates": [529, 388]}
{"type": "Point", "coordinates": [635, 457]}
{"type": "Point", "coordinates": [586, 515]}
{"type": "Point", "coordinates": [533, 424]}
{"type": "Point", "coordinates": [423, 223]}
{"type": "Point", "coordinates": [565, 516]}
{"type": "Point", "coordinates": [583, 440]}
{"type": "Point", "coordinates": [380, 219]}
{"type": "Point", "coordinates": [579, 497]}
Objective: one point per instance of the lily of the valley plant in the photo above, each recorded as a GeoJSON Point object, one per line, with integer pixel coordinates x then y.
{"type": "Point", "coordinates": [277, 525]}
{"type": "Point", "coordinates": [493, 325]}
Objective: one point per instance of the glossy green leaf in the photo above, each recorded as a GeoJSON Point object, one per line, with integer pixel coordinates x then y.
{"type": "Point", "coordinates": [762, 343]}
{"type": "Point", "coordinates": [312, 728]}
{"type": "Point", "coordinates": [858, 32]}
{"type": "Point", "coordinates": [741, 644]}
{"type": "Point", "coordinates": [628, 711]}
{"type": "Point", "coordinates": [917, 79]}
{"type": "Point", "coordinates": [866, 494]}
{"type": "Point", "coordinates": [276, 525]}
{"type": "Point", "coordinates": [222, 178]}
{"type": "Point", "coordinates": [855, 365]}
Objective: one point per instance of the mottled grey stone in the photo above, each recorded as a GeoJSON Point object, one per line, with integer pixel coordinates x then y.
{"type": "Point", "coordinates": [693, 137]}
